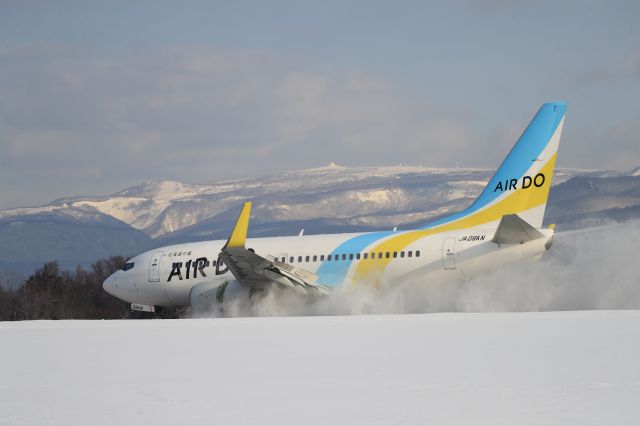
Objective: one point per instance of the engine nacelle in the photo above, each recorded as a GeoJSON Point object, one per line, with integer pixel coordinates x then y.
{"type": "Point", "coordinates": [216, 297]}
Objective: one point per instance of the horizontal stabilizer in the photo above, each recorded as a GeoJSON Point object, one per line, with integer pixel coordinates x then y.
{"type": "Point", "coordinates": [514, 230]}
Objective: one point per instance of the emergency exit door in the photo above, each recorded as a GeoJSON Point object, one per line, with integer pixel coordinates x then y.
{"type": "Point", "coordinates": [449, 253]}
{"type": "Point", "coordinates": [154, 267]}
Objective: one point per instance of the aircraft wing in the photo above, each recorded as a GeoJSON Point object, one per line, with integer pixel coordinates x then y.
{"type": "Point", "coordinates": [512, 229]}
{"type": "Point", "coordinates": [256, 270]}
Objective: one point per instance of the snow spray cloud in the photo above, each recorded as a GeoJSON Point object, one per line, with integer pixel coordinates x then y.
{"type": "Point", "coordinates": [594, 269]}
{"type": "Point", "coordinates": [590, 269]}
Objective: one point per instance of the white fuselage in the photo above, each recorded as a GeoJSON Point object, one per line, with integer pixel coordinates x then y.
{"type": "Point", "coordinates": [501, 226]}
{"type": "Point", "coordinates": [165, 276]}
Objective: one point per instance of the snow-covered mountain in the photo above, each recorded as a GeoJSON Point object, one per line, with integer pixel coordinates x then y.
{"type": "Point", "coordinates": [327, 199]}
{"type": "Point", "coordinates": [370, 197]}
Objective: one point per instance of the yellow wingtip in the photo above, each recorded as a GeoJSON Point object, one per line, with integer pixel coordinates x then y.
{"type": "Point", "coordinates": [552, 226]}
{"type": "Point", "coordinates": [239, 234]}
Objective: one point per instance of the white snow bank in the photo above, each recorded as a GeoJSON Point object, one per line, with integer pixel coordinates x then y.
{"type": "Point", "coordinates": [561, 368]}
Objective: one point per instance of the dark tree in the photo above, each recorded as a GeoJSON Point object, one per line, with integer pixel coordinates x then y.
{"type": "Point", "coordinates": [50, 293]}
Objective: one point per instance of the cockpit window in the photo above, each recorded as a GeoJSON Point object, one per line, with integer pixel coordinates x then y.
{"type": "Point", "coordinates": [128, 266]}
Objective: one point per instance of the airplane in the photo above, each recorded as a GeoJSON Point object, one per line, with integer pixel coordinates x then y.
{"type": "Point", "coordinates": [502, 225]}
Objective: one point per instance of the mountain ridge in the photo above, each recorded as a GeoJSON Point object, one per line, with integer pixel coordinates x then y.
{"type": "Point", "coordinates": [321, 200]}
{"type": "Point", "coordinates": [161, 207]}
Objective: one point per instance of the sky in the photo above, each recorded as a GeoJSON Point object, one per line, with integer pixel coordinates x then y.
{"type": "Point", "coordinates": [98, 96]}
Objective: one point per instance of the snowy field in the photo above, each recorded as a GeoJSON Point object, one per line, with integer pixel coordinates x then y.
{"type": "Point", "coordinates": [564, 368]}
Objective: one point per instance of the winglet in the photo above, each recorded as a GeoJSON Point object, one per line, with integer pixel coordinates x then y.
{"type": "Point", "coordinates": [239, 234]}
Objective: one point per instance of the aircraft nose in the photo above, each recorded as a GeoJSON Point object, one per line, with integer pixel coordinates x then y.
{"type": "Point", "coordinates": [109, 285]}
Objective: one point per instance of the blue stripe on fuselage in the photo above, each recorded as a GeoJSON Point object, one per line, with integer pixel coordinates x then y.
{"type": "Point", "coordinates": [332, 273]}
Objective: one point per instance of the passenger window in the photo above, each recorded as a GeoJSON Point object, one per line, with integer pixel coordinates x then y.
{"type": "Point", "coordinates": [388, 255]}
{"type": "Point", "coordinates": [350, 256]}
{"type": "Point", "coordinates": [328, 257]}
{"type": "Point", "coordinates": [380, 255]}
{"type": "Point", "coordinates": [410, 253]}
{"type": "Point", "coordinates": [321, 257]}
{"type": "Point", "coordinates": [315, 258]}
{"type": "Point", "coordinates": [306, 259]}
{"type": "Point", "coordinates": [401, 254]}
{"type": "Point", "coordinates": [395, 254]}
{"type": "Point", "coordinates": [417, 253]}
{"type": "Point", "coordinates": [291, 259]}
{"type": "Point", "coordinates": [358, 256]}
{"type": "Point", "coordinates": [299, 259]}
{"type": "Point", "coordinates": [364, 255]}
{"type": "Point", "coordinates": [344, 257]}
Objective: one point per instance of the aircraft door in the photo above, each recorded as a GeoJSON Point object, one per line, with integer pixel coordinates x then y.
{"type": "Point", "coordinates": [154, 267]}
{"type": "Point", "coordinates": [448, 253]}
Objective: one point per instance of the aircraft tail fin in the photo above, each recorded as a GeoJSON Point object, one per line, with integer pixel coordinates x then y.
{"type": "Point", "coordinates": [521, 184]}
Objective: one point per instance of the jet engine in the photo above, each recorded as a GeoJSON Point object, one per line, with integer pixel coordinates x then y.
{"type": "Point", "coordinates": [229, 296]}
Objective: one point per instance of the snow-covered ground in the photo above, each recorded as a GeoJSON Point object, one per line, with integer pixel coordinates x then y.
{"type": "Point", "coordinates": [564, 368]}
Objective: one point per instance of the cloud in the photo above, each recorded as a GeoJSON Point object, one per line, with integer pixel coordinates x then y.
{"type": "Point", "coordinates": [198, 114]}
{"type": "Point", "coordinates": [624, 68]}
{"type": "Point", "coordinates": [74, 122]}
{"type": "Point", "coordinates": [621, 141]}
{"type": "Point", "coordinates": [631, 63]}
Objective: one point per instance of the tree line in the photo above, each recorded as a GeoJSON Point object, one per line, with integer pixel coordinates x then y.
{"type": "Point", "coordinates": [52, 293]}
